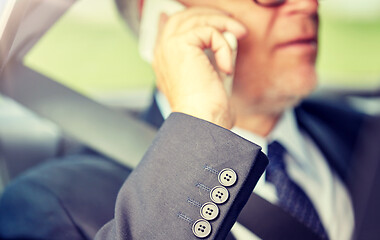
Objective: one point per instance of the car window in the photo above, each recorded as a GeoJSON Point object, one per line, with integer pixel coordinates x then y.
{"type": "Point", "coordinates": [349, 50]}
{"type": "Point", "coordinates": [91, 50]}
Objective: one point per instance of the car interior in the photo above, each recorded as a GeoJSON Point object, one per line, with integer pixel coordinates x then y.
{"type": "Point", "coordinates": [32, 127]}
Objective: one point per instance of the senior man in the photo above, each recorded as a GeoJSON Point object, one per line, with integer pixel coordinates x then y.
{"type": "Point", "coordinates": [275, 70]}
{"type": "Point", "coordinates": [203, 165]}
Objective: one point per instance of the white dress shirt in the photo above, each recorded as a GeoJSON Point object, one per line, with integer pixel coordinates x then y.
{"type": "Point", "coordinates": [307, 167]}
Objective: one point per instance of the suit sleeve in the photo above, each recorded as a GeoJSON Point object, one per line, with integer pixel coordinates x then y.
{"type": "Point", "coordinates": [180, 173]}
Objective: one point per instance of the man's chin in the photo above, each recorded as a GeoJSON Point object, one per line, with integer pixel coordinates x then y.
{"type": "Point", "coordinates": [283, 90]}
{"type": "Point", "coordinates": [271, 106]}
{"type": "Point", "coordinates": [297, 83]}
{"type": "Point", "coordinates": [280, 105]}
{"type": "Point", "coordinates": [281, 101]}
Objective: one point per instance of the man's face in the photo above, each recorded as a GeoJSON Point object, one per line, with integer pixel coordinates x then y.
{"type": "Point", "coordinates": [275, 66]}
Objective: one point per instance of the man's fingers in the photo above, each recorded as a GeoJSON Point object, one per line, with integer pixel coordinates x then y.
{"type": "Point", "coordinates": [184, 72]}
{"type": "Point", "coordinates": [204, 28]}
{"type": "Point", "coordinates": [202, 16]}
{"type": "Point", "coordinates": [210, 38]}
{"type": "Point", "coordinates": [220, 22]}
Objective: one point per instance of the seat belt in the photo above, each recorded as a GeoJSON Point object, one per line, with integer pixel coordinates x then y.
{"type": "Point", "coordinates": [77, 115]}
{"type": "Point", "coordinates": [269, 221]}
{"type": "Point", "coordinates": [116, 135]}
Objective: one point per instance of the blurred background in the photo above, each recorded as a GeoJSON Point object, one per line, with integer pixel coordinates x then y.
{"type": "Point", "coordinates": [91, 50]}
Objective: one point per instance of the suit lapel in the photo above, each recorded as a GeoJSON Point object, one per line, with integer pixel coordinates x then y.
{"type": "Point", "coordinates": [334, 129]}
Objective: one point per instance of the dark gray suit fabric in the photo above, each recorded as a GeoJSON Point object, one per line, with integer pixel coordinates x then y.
{"type": "Point", "coordinates": [41, 204]}
{"type": "Point", "coordinates": [155, 198]}
{"type": "Point", "coordinates": [68, 198]}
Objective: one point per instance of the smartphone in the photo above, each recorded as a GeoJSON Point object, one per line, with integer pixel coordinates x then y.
{"type": "Point", "coordinates": [149, 30]}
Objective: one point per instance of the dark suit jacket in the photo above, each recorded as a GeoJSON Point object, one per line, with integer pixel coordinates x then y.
{"type": "Point", "coordinates": [73, 197]}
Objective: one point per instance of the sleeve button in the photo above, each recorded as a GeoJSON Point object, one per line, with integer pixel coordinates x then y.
{"type": "Point", "coordinates": [201, 228]}
{"type": "Point", "coordinates": [209, 211]}
{"type": "Point", "coordinates": [219, 195]}
{"type": "Point", "coordinates": [227, 177]}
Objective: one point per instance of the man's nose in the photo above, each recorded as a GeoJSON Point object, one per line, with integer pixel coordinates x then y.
{"type": "Point", "coordinates": [307, 7]}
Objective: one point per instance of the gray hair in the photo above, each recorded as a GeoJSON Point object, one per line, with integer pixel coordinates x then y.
{"type": "Point", "coordinates": [129, 10]}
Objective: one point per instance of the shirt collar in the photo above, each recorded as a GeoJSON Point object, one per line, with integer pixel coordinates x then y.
{"type": "Point", "coordinates": [288, 134]}
{"type": "Point", "coordinates": [163, 104]}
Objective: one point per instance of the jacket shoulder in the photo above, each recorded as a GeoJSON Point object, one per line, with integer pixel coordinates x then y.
{"type": "Point", "coordinates": [59, 198]}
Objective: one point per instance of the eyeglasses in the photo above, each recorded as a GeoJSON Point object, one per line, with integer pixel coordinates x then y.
{"type": "Point", "coordinates": [269, 3]}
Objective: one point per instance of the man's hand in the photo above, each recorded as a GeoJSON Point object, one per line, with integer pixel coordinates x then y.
{"type": "Point", "coordinates": [185, 74]}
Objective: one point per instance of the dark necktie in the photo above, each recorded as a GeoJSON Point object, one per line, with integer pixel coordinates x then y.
{"type": "Point", "coordinates": [291, 197]}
